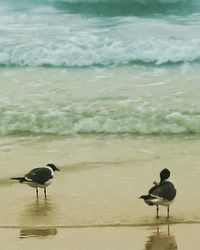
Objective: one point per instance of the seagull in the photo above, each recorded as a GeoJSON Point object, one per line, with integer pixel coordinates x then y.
{"type": "Point", "coordinates": [162, 193]}
{"type": "Point", "coordinates": [39, 177]}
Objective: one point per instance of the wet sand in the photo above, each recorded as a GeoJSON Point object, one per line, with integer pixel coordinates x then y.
{"type": "Point", "coordinates": [166, 237]}
{"type": "Point", "coordinates": [93, 202]}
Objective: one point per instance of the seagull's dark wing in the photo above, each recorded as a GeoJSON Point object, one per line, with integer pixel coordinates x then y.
{"type": "Point", "coordinates": [164, 190]}
{"type": "Point", "coordinates": [39, 175]}
{"type": "Point", "coordinates": [153, 189]}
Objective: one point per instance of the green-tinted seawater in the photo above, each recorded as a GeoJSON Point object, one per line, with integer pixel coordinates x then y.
{"type": "Point", "coordinates": [99, 100]}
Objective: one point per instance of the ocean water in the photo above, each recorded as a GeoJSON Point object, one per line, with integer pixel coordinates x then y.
{"type": "Point", "coordinates": [108, 90]}
{"type": "Point", "coordinates": [72, 67]}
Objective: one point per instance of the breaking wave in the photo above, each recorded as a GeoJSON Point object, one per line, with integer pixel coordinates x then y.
{"type": "Point", "coordinates": [81, 33]}
{"type": "Point", "coordinates": [98, 119]}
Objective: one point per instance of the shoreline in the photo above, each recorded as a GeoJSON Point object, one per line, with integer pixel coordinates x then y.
{"type": "Point", "coordinates": [114, 225]}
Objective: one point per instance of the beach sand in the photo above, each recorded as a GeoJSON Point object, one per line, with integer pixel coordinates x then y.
{"type": "Point", "coordinates": [93, 202]}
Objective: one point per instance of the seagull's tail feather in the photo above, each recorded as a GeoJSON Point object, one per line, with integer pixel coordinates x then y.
{"type": "Point", "coordinates": [20, 179]}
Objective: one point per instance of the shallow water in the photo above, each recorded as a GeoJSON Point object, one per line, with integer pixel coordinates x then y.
{"type": "Point", "coordinates": [132, 99]}
{"type": "Point", "coordinates": [100, 181]}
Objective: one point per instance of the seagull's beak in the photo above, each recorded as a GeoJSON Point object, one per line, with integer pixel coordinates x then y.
{"type": "Point", "coordinates": [57, 169]}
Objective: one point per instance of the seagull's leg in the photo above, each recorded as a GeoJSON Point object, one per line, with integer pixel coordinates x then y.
{"type": "Point", "coordinates": [36, 192]}
{"type": "Point", "coordinates": [157, 211]}
{"type": "Point", "coordinates": [45, 192]}
{"type": "Point", "coordinates": [168, 211]}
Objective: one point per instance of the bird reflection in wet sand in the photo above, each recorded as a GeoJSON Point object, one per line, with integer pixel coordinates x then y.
{"type": "Point", "coordinates": [37, 232]}
{"type": "Point", "coordinates": [39, 209]}
{"type": "Point", "coordinates": [39, 212]}
{"type": "Point", "coordinates": [161, 241]}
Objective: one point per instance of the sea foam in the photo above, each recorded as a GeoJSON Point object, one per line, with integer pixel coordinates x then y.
{"type": "Point", "coordinates": [92, 50]}
{"type": "Point", "coordinates": [98, 119]}
{"type": "Point", "coordinates": [49, 33]}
